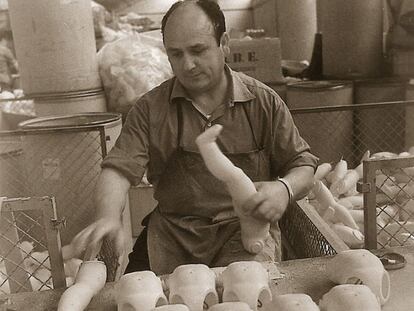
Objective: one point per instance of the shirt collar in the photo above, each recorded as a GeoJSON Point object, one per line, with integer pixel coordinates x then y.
{"type": "Point", "coordinates": [240, 92]}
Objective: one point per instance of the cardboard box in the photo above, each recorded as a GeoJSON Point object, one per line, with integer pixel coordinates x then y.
{"type": "Point", "coordinates": [259, 58]}
{"type": "Point", "coordinates": [402, 62]}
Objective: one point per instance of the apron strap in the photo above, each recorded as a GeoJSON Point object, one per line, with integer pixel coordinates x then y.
{"type": "Point", "coordinates": [179, 124]}
{"type": "Point", "coordinates": [256, 141]}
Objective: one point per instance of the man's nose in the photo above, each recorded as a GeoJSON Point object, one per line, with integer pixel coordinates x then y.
{"type": "Point", "coordinates": [188, 62]}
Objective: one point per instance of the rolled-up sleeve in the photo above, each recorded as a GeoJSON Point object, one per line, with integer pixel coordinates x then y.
{"type": "Point", "coordinates": [289, 149]}
{"type": "Point", "coordinates": [130, 154]}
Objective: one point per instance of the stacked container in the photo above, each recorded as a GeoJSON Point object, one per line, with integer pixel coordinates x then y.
{"type": "Point", "coordinates": [352, 33]}
{"type": "Point", "coordinates": [56, 51]}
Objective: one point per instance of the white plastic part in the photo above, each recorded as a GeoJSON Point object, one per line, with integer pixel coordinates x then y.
{"type": "Point", "coordinates": [89, 280]}
{"type": "Point", "coordinates": [75, 298]}
{"type": "Point", "coordinates": [253, 232]}
{"type": "Point", "coordinates": [327, 201]}
{"type": "Point", "coordinates": [322, 170]}
{"type": "Point", "coordinates": [139, 291]}
{"type": "Point", "coordinates": [294, 302]}
{"type": "Point", "coordinates": [173, 307]}
{"type": "Point", "coordinates": [360, 266]}
{"type": "Point", "coordinates": [351, 237]}
{"type": "Point", "coordinates": [231, 306]}
{"type": "Point", "coordinates": [349, 297]}
{"type": "Point", "coordinates": [247, 281]}
{"type": "Point", "coordinates": [92, 272]}
{"type": "Point", "coordinates": [193, 285]}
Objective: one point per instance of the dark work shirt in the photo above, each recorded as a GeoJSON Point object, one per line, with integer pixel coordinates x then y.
{"type": "Point", "coordinates": [149, 135]}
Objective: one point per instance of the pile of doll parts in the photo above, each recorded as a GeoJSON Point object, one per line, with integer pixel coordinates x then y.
{"type": "Point", "coordinates": [335, 197]}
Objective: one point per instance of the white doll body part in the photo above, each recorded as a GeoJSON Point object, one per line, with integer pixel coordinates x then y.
{"type": "Point", "coordinates": [89, 280]}
{"type": "Point", "coordinates": [351, 237]}
{"type": "Point", "coordinates": [193, 285]}
{"type": "Point", "coordinates": [327, 201]}
{"type": "Point", "coordinates": [75, 298]}
{"type": "Point", "coordinates": [294, 302]}
{"type": "Point", "coordinates": [247, 281]}
{"type": "Point", "coordinates": [231, 306]}
{"type": "Point", "coordinates": [254, 232]}
{"type": "Point", "coordinates": [349, 297]}
{"type": "Point", "coordinates": [140, 290]}
{"type": "Point", "coordinates": [172, 307]}
{"type": "Point", "coordinates": [360, 266]}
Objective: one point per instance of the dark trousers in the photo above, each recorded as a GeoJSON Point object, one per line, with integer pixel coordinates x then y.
{"type": "Point", "coordinates": [138, 258]}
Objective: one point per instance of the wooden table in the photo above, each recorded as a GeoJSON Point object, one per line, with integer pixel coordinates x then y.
{"type": "Point", "coordinates": [299, 276]}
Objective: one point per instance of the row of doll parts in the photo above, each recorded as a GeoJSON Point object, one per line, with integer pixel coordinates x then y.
{"type": "Point", "coordinates": [194, 285]}
{"type": "Point", "coordinates": [343, 297]}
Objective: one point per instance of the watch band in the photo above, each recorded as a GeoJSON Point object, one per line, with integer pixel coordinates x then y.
{"type": "Point", "coordinates": [288, 188]}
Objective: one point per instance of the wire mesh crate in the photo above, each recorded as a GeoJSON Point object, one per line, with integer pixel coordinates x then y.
{"type": "Point", "coordinates": [375, 127]}
{"type": "Point", "coordinates": [30, 248]}
{"type": "Point", "coordinates": [63, 163]}
{"type": "Point", "coordinates": [388, 187]}
{"type": "Point", "coordinates": [305, 234]}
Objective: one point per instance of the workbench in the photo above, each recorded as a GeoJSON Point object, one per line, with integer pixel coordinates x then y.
{"type": "Point", "coordinates": [298, 276]}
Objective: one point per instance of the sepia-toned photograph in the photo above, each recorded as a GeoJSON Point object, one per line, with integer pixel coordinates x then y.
{"type": "Point", "coordinates": [207, 155]}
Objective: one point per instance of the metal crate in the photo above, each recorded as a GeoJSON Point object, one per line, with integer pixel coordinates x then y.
{"type": "Point", "coordinates": [305, 234]}
{"type": "Point", "coordinates": [388, 188]}
{"type": "Point", "coordinates": [30, 249]}
{"type": "Point", "coordinates": [64, 164]}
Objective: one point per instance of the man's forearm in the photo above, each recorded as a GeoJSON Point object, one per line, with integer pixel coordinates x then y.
{"type": "Point", "coordinates": [301, 181]}
{"type": "Point", "coordinates": [111, 194]}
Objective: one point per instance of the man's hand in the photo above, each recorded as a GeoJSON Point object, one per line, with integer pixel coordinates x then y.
{"type": "Point", "coordinates": [89, 240]}
{"type": "Point", "coordinates": [269, 203]}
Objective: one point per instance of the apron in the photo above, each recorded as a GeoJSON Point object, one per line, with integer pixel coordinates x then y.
{"type": "Point", "coordinates": [184, 227]}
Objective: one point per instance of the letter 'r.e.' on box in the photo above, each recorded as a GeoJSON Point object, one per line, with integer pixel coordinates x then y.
{"type": "Point", "coordinates": [259, 58]}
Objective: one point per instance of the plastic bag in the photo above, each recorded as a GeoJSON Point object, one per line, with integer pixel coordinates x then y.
{"type": "Point", "coordinates": [131, 66]}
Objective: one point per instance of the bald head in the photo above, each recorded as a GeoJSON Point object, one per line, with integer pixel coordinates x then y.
{"type": "Point", "coordinates": [185, 10]}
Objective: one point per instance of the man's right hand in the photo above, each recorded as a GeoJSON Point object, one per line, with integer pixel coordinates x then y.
{"type": "Point", "coordinates": [87, 243]}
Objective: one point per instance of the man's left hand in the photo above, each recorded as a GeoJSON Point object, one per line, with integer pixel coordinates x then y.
{"type": "Point", "coordinates": [269, 203]}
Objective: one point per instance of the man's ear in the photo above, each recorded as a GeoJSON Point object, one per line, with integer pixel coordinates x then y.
{"type": "Point", "coordinates": [224, 44]}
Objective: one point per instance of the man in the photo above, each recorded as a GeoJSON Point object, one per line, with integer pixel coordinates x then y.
{"type": "Point", "coordinates": [192, 222]}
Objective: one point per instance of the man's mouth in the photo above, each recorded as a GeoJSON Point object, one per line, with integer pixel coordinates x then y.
{"type": "Point", "coordinates": [194, 75]}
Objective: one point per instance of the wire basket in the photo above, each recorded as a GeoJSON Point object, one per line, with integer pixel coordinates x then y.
{"type": "Point", "coordinates": [30, 249]}
{"type": "Point", "coordinates": [388, 187]}
{"type": "Point", "coordinates": [63, 163]}
{"type": "Point", "coordinates": [305, 234]}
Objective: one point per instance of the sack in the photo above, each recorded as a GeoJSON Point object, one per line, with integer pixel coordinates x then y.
{"type": "Point", "coordinates": [130, 67]}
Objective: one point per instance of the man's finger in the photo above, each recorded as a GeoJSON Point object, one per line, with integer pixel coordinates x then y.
{"type": "Point", "coordinates": [92, 251]}
{"type": "Point", "coordinates": [251, 205]}
{"type": "Point", "coordinates": [78, 244]}
{"type": "Point", "coordinates": [95, 242]}
{"type": "Point", "coordinates": [120, 244]}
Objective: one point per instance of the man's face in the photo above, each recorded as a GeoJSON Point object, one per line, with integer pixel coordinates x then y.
{"type": "Point", "coordinates": [196, 58]}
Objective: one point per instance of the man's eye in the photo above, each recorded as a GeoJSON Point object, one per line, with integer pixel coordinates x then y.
{"type": "Point", "coordinates": [176, 54]}
{"type": "Point", "coordinates": [198, 51]}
